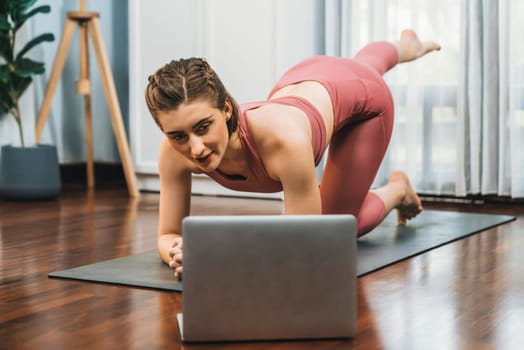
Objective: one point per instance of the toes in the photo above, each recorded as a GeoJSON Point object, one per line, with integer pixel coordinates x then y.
{"type": "Point", "coordinates": [429, 46]}
{"type": "Point", "coordinates": [409, 33]}
{"type": "Point", "coordinates": [401, 220]}
{"type": "Point", "coordinates": [407, 213]}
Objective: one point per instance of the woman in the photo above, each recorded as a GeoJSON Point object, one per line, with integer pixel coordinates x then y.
{"type": "Point", "coordinates": [275, 144]}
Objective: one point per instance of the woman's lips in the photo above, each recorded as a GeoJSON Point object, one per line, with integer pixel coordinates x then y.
{"type": "Point", "coordinates": [203, 160]}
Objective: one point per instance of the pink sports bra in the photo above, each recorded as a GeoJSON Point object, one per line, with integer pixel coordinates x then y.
{"type": "Point", "coordinates": [259, 180]}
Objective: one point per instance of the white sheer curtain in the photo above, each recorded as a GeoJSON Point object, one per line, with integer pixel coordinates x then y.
{"type": "Point", "coordinates": [423, 142]}
{"type": "Point", "coordinates": [459, 125]}
{"type": "Point", "coordinates": [512, 110]}
{"type": "Point", "coordinates": [491, 99]}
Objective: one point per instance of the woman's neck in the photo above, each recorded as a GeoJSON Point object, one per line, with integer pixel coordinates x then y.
{"type": "Point", "coordinates": [234, 161]}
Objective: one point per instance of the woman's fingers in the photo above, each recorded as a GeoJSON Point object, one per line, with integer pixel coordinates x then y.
{"type": "Point", "coordinates": [178, 272]}
{"type": "Point", "coordinates": [177, 242]}
{"type": "Point", "coordinates": [178, 258]}
{"type": "Point", "coordinates": [176, 247]}
{"type": "Point", "coordinates": [175, 252]}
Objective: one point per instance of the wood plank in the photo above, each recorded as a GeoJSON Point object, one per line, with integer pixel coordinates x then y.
{"type": "Point", "coordinates": [465, 295]}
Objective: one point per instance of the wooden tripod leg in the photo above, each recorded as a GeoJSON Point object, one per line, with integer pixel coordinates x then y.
{"type": "Point", "coordinates": [113, 105]}
{"type": "Point", "coordinates": [84, 88]}
{"type": "Point", "coordinates": [63, 47]}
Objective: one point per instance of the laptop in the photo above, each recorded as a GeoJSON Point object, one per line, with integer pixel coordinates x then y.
{"type": "Point", "coordinates": [268, 277]}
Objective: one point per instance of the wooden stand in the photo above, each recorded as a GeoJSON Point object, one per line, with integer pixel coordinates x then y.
{"type": "Point", "coordinates": [88, 23]}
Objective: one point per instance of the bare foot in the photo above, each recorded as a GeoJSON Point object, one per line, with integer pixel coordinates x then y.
{"type": "Point", "coordinates": [410, 206]}
{"type": "Point", "coordinates": [410, 47]}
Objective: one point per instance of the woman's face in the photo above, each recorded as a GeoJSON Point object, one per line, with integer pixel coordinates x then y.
{"type": "Point", "coordinates": [198, 131]}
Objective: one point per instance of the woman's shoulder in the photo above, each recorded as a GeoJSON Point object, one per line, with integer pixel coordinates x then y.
{"type": "Point", "coordinates": [273, 126]}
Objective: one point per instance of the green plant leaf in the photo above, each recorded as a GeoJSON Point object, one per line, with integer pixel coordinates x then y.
{"type": "Point", "coordinates": [21, 20]}
{"type": "Point", "coordinates": [17, 8]}
{"type": "Point", "coordinates": [3, 110]}
{"type": "Point", "coordinates": [20, 5]}
{"type": "Point", "coordinates": [34, 42]}
{"type": "Point", "coordinates": [26, 67]}
{"type": "Point", "coordinates": [6, 101]}
{"type": "Point", "coordinates": [3, 8]}
{"type": "Point", "coordinates": [20, 84]}
{"type": "Point", "coordinates": [16, 72]}
{"type": "Point", "coordinates": [4, 24]}
{"type": "Point", "coordinates": [4, 73]}
{"type": "Point", "coordinates": [5, 47]}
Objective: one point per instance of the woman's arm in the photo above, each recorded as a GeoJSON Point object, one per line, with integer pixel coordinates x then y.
{"type": "Point", "coordinates": [284, 145]}
{"type": "Point", "coordinates": [175, 196]}
{"type": "Point", "coordinates": [294, 166]}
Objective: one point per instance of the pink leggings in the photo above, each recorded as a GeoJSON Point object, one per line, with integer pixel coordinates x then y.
{"type": "Point", "coordinates": [363, 109]}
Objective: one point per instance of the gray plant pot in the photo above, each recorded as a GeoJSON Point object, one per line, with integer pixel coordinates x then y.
{"type": "Point", "coordinates": [29, 173]}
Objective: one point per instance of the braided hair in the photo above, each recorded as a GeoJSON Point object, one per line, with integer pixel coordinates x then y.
{"type": "Point", "coordinates": [185, 81]}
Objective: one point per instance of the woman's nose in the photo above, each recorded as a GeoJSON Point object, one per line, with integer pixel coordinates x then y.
{"type": "Point", "coordinates": [197, 147]}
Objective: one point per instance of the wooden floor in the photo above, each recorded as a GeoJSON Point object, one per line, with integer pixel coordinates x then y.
{"type": "Point", "coordinates": [465, 295]}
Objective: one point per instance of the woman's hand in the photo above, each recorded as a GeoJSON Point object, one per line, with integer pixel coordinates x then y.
{"type": "Point", "coordinates": [176, 255]}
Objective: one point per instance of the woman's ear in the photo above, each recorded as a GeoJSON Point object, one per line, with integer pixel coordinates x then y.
{"type": "Point", "coordinates": [228, 109]}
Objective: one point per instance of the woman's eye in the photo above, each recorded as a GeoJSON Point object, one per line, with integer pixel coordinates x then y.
{"type": "Point", "coordinates": [178, 137]}
{"type": "Point", "coordinates": [203, 128]}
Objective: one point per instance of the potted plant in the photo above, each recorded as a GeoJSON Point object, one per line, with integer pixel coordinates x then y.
{"type": "Point", "coordinates": [25, 172]}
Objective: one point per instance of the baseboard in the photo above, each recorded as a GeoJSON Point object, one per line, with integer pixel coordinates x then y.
{"type": "Point", "coordinates": [201, 185]}
{"type": "Point", "coordinates": [105, 173]}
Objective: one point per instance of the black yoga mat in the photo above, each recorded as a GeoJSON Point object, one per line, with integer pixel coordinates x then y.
{"type": "Point", "coordinates": [385, 245]}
